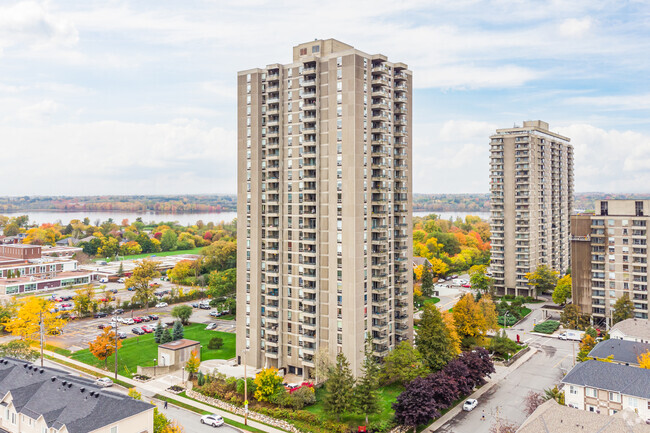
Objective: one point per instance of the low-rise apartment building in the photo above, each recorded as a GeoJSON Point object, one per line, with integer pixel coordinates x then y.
{"type": "Point", "coordinates": [619, 351]}
{"type": "Point", "coordinates": [47, 400]}
{"type": "Point", "coordinates": [609, 258]}
{"type": "Point", "coordinates": [608, 388]}
{"type": "Point", "coordinates": [631, 330]}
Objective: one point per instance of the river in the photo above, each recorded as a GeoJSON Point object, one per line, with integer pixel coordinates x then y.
{"type": "Point", "coordinates": [52, 216]}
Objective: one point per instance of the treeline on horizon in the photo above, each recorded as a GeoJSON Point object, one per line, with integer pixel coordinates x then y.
{"type": "Point", "coordinates": [228, 202]}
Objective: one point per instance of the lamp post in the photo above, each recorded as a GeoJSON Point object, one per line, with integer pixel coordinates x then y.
{"type": "Point", "coordinates": [245, 391]}
{"type": "Point", "coordinates": [116, 337]}
{"type": "Point", "coordinates": [154, 367]}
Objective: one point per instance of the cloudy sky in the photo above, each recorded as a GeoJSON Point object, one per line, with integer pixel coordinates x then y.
{"type": "Point", "coordinates": [119, 97]}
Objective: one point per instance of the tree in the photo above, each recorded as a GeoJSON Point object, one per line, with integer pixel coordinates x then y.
{"type": "Point", "coordinates": [192, 364]}
{"type": "Point", "coordinates": [562, 291]}
{"type": "Point", "coordinates": [267, 382]}
{"type": "Point", "coordinates": [215, 343]}
{"type": "Point", "coordinates": [338, 388]}
{"type": "Point", "coordinates": [427, 281]}
{"type": "Point", "coordinates": [105, 345]}
{"type": "Point", "coordinates": [366, 394]}
{"type": "Point", "coordinates": [445, 389]}
{"type": "Point", "coordinates": [120, 270]}
{"type": "Point", "coordinates": [83, 300]}
{"type": "Point", "coordinates": [20, 349]}
{"type": "Point", "coordinates": [489, 312]}
{"type": "Point", "coordinates": [544, 279]}
{"type": "Point", "coordinates": [623, 309]}
{"type": "Point", "coordinates": [433, 340]}
{"type": "Point", "coordinates": [469, 317]}
{"type": "Point", "coordinates": [219, 256]}
{"type": "Point", "coordinates": [417, 272]}
{"type": "Point", "coordinates": [26, 321]}
{"type": "Point", "coordinates": [179, 273]}
{"type": "Point", "coordinates": [571, 318]}
{"type": "Point", "coordinates": [586, 345]}
{"type": "Point", "coordinates": [403, 364]}
{"type": "Point", "coordinates": [454, 344]}
{"type": "Point", "coordinates": [479, 279]}
{"type": "Point", "coordinates": [173, 427]}
{"type": "Point", "coordinates": [503, 346]}
{"type": "Point", "coordinates": [166, 337]}
{"type": "Point", "coordinates": [185, 242]}
{"type": "Point", "coordinates": [183, 313]}
{"type": "Point", "coordinates": [644, 360]}
{"type": "Point", "coordinates": [532, 401]}
{"type": "Point", "coordinates": [177, 330]}
{"type": "Point", "coordinates": [143, 273]}
{"type": "Point", "coordinates": [323, 363]}
{"type": "Point", "coordinates": [168, 240]}
{"type": "Point", "coordinates": [158, 333]}
{"type": "Point", "coordinates": [416, 405]}
{"type": "Point", "coordinates": [555, 394]}
{"type": "Point", "coordinates": [222, 283]}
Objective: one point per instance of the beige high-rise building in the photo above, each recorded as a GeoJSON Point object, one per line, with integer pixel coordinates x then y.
{"type": "Point", "coordinates": [609, 258]}
{"type": "Point", "coordinates": [324, 207]}
{"type": "Point", "coordinates": [531, 200]}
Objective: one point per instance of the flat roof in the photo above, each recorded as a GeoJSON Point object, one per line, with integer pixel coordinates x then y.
{"type": "Point", "coordinates": [59, 276]}
{"type": "Point", "coordinates": [179, 344]}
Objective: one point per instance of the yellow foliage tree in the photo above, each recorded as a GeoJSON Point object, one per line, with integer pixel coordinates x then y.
{"type": "Point", "coordinates": [644, 360]}
{"type": "Point", "coordinates": [418, 272]}
{"type": "Point", "coordinates": [267, 383]}
{"type": "Point", "coordinates": [104, 345]}
{"type": "Point", "coordinates": [26, 322]}
{"type": "Point", "coordinates": [417, 290]}
{"type": "Point", "coordinates": [469, 317]}
{"type": "Point", "coordinates": [489, 311]}
{"type": "Point", "coordinates": [450, 324]}
{"type": "Point", "coordinates": [438, 267]}
{"type": "Point", "coordinates": [192, 364]}
{"type": "Point", "coordinates": [173, 427]}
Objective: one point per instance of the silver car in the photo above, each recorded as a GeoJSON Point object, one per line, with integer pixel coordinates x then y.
{"type": "Point", "coordinates": [104, 382]}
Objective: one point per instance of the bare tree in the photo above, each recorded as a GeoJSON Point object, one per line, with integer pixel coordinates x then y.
{"type": "Point", "coordinates": [532, 401]}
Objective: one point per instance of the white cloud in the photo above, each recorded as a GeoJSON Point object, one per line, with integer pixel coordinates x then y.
{"type": "Point", "coordinates": [614, 102]}
{"type": "Point", "coordinates": [575, 27]}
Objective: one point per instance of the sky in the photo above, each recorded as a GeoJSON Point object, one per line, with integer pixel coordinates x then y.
{"type": "Point", "coordinates": [139, 97]}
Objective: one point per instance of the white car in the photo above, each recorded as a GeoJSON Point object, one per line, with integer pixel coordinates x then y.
{"type": "Point", "coordinates": [214, 420]}
{"type": "Point", "coordinates": [121, 280]}
{"type": "Point", "coordinates": [211, 326]}
{"type": "Point", "coordinates": [104, 382]}
{"type": "Point", "coordinates": [470, 404]}
{"type": "Point", "coordinates": [129, 321]}
{"type": "Point", "coordinates": [160, 305]}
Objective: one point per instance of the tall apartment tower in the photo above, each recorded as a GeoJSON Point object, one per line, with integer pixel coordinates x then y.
{"type": "Point", "coordinates": [609, 258]}
{"type": "Point", "coordinates": [324, 207]}
{"type": "Point", "coordinates": [531, 200]}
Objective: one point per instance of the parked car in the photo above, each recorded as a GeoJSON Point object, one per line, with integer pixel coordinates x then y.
{"type": "Point", "coordinates": [147, 329]}
{"type": "Point", "coordinates": [571, 335]}
{"type": "Point", "coordinates": [130, 289]}
{"type": "Point", "coordinates": [103, 280]}
{"type": "Point", "coordinates": [102, 326]}
{"type": "Point", "coordinates": [104, 382]}
{"type": "Point", "coordinates": [129, 321]}
{"type": "Point", "coordinates": [100, 315]}
{"type": "Point", "coordinates": [137, 331]}
{"type": "Point", "coordinates": [470, 404]}
{"type": "Point", "coordinates": [204, 306]}
{"type": "Point", "coordinates": [195, 305]}
{"type": "Point", "coordinates": [214, 420]}
{"type": "Point", "coordinates": [122, 335]}
{"type": "Point", "coordinates": [467, 285]}
{"type": "Point", "coordinates": [137, 319]}
{"type": "Point", "coordinates": [118, 311]}
{"type": "Point", "coordinates": [215, 313]}
{"type": "Point", "coordinates": [154, 285]}
{"type": "Point", "coordinates": [145, 318]}
{"type": "Point", "coordinates": [161, 304]}
{"type": "Point", "coordinates": [120, 280]}
{"type": "Point", "coordinates": [211, 326]}
{"type": "Point", "coordinates": [153, 316]}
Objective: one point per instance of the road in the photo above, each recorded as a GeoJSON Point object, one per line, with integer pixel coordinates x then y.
{"type": "Point", "coordinates": [191, 421]}
{"type": "Point", "coordinates": [543, 370]}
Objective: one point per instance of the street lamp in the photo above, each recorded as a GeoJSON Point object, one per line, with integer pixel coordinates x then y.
{"type": "Point", "coordinates": [245, 390]}
{"type": "Point", "coordinates": [154, 367]}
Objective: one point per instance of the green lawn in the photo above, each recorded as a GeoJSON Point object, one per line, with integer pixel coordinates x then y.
{"type": "Point", "coordinates": [388, 395]}
{"type": "Point", "coordinates": [162, 254]}
{"type": "Point", "coordinates": [141, 350]}
{"type": "Point", "coordinates": [429, 300]}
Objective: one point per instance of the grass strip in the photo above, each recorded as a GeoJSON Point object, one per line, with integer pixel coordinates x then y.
{"type": "Point", "coordinates": [87, 371]}
{"type": "Point", "coordinates": [203, 412]}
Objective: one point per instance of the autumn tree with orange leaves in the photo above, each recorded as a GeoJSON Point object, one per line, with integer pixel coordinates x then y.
{"type": "Point", "coordinates": [105, 345]}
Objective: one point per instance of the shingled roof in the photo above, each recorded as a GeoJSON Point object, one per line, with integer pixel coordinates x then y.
{"type": "Point", "coordinates": [623, 351]}
{"type": "Point", "coordinates": [611, 377]}
{"type": "Point", "coordinates": [63, 399]}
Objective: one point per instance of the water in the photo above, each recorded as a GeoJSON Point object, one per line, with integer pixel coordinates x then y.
{"type": "Point", "coordinates": [52, 216]}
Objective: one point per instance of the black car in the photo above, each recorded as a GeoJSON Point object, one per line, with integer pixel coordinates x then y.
{"type": "Point", "coordinates": [146, 319]}
{"type": "Point", "coordinates": [195, 305]}
{"type": "Point", "coordinates": [100, 315]}
{"type": "Point", "coordinates": [153, 316]}
{"type": "Point", "coordinates": [118, 311]}
{"type": "Point", "coordinates": [137, 331]}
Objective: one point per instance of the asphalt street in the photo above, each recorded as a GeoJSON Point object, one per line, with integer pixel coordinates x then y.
{"type": "Point", "coordinates": [191, 421]}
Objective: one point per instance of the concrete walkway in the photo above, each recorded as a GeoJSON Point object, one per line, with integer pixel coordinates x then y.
{"type": "Point", "coordinates": [149, 389]}
{"type": "Point", "coordinates": [501, 373]}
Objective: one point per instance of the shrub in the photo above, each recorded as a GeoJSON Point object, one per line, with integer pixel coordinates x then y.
{"type": "Point", "coordinates": [303, 396]}
{"type": "Point", "coordinates": [381, 426]}
{"type": "Point", "coordinates": [510, 320]}
{"type": "Point", "coordinates": [502, 346]}
{"type": "Point", "coordinates": [215, 343]}
{"type": "Point", "coordinates": [547, 327]}
{"type": "Point", "coordinates": [251, 386]}
{"type": "Point", "coordinates": [200, 380]}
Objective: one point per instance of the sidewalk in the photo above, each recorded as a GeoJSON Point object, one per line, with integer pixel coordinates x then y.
{"type": "Point", "coordinates": [497, 377]}
{"type": "Point", "coordinates": [149, 389]}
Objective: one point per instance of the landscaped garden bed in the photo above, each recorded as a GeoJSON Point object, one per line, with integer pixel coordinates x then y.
{"type": "Point", "coordinates": [175, 389]}
{"type": "Point", "coordinates": [547, 327]}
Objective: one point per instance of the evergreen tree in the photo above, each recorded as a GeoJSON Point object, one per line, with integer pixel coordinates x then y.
{"type": "Point", "coordinates": [120, 270]}
{"type": "Point", "coordinates": [157, 335]}
{"type": "Point", "coordinates": [177, 331]}
{"type": "Point", "coordinates": [427, 281]}
{"type": "Point", "coordinates": [366, 394]}
{"type": "Point", "coordinates": [339, 388]}
{"type": "Point", "coordinates": [166, 337]}
{"type": "Point", "coordinates": [433, 340]}
{"type": "Point", "coordinates": [623, 309]}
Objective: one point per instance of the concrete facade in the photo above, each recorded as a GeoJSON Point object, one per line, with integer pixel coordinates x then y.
{"type": "Point", "coordinates": [531, 200]}
{"type": "Point", "coordinates": [176, 353]}
{"type": "Point", "coordinates": [611, 258]}
{"type": "Point", "coordinates": [324, 170]}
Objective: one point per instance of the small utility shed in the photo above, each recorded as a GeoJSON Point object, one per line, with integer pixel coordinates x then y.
{"type": "Point", "coordinates": [177, 352]}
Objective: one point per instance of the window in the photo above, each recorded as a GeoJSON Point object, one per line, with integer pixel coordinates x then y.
{"type": "Point", "coordinates": [303, 51]}
{"type": "Point", "coordinates": [633, 402]}
{"type": "Point", "coordinates": [615, 397]}
{"type": "Point", "coordinates": [591, 392]}
{"type": "Point", "coordinates": [573, 390]}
